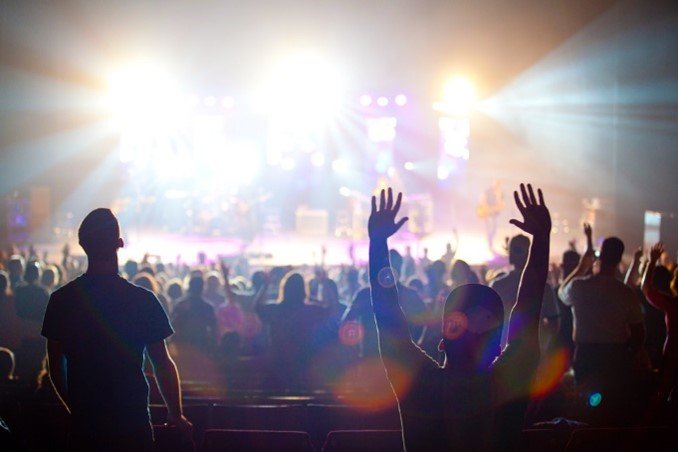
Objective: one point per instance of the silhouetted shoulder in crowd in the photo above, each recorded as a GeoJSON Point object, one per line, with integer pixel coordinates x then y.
{"type": "Point", "coordinates": [477, 399]}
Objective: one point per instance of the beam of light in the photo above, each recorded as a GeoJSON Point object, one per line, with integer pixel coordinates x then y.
{"type": "Point", "coordinates": [599, 82]}
{"type": "Point", "coordinates": [44, 152]}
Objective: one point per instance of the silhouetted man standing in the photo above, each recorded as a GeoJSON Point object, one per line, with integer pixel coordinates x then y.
{"type": "Point", "coordinates": [97, 328]}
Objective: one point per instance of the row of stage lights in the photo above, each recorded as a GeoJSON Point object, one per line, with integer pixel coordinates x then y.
{"type": "Point", "coordinates": [300, 86]}
{"type": "Point", "coordinates": [365, 100]}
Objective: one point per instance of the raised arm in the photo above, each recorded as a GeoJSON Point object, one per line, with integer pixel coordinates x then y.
{"type": "Point", "coordinates": [657, 298]}
{"type": "Point", "coordinates": [227, 285]}
{"type": "Point", "coordinates": [395, 344]}
{"type": "Point", "coordinates": [582, 269]}
{"type": "Point", "coordinates": [631, 277]}
{"type": "Point", "coordinates": [524, 321]}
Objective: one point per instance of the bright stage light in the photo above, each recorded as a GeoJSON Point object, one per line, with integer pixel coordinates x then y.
{"type": "Point", "coordinates": [210, 101]}
{"type": "Point", "coordinates": [317, 159]}
{"type": "Point", "coordinates": [142, 95]}
{"type": "Point", "coordinates": [459, 97]}
{"type": "Point", "coordinates": [365, 100]}
{"type": "Point", "coordinates": [227, 102]}
{"type": "Point", "coordinates": [339, 165]}
{"type": "Point", "coordinates": [288, 164]}
{"type": "Point", "coordinates": [382, 101]}
{"type": "Point", "coordinates": [409, 166]}
{"type": "Point", "coordinates": [401, 100]}
{"type": "Point", "coordinates": [303, 88]}
{"type": "Point", "coordinates": [443, 173]}
{"type": "Point", "coordinates": [345, 191]}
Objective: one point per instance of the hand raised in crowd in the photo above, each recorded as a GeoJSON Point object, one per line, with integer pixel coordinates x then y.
{"type": "Point", "coordinates": [588, 232]}
{"type": "Point", "coordinates": [381, 223]}
{"type": "Point", "coordinates": [656, 251]}
{"type": "Point", "coordinates": [536, 216]}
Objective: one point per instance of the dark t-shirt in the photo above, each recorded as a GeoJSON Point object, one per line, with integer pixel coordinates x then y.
{"type": "Point", "coordinates": [295, 332]}
{"type": "Point", "coordinates": [195, 323]}
{"type": "Point", "coordinates": [450, 410]}
{"type": "Point", "coordinates": [104, 324]}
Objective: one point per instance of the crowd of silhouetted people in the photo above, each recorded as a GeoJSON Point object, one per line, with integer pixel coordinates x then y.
{"type": "Point", "coordinates": [603, 352]}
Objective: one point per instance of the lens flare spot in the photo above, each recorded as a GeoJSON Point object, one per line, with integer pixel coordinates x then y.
{"type": "Point", "coordinates": [454, 325]}
{"type": "Point", "coordinates": [351, 333]}
{"type": "Point", "coordinates": [366, 387]}
{"type": "Point", "coordinates": [387, 277]}
{"type": "Point", "coordinates": [549, 373]}
{"type": "Point", "coordinates": [595, 399]}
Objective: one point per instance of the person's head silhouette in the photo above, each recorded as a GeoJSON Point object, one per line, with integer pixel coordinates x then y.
{"type": "Point", "coordinates": [99, 235]}
{"type": "Point", "coordinates": [518, 250]}
{"type": "Point", "coordinates": [472, 325]}
{"type": "Point", "coordinates": [292, 289]}
{"type": "Point", "coordinates": [611, 252]}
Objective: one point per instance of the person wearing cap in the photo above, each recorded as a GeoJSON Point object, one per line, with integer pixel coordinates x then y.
{"type": "Point", "coordinates": [97, 328]}
{"type": "Point", "coordinates": [478, 398]}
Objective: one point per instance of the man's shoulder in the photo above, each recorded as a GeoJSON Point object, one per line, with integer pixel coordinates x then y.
{"type": "Point", "coordinates": [66, 290]}
{"type": "Point", "coordinates": [505, 280]}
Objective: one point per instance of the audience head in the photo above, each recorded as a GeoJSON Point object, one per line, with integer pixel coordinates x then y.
{"type": "Point", "coordinates": [352, 276]}
{"type": "Point", "coordinates": [6, 364]}
{"type": "Point", "coordinates": [611, 252]}
{"type": "Point", "coordinates": [331, 294]}
{"type": "Point", "coordinates": [518, 250]}
{"type": "Point", "coordinates": [50, 276]}
{"type": "Point", "coordinates": [258, 279]}
{"type": "Point", "coordinates": [461, 273]}
{"type": "Point", "coordinates": [147, 281]}
{"type": "Point", "coordinates": [472, 325]}
{"type": "Point", "coordinates": [99, 234]}
{"type": "Point", "coordinates": [32, 273]}
{"type": "Point", "coordinates": [570, 261]}
{"type": "Point", "coordinates": [131, 268]}
{"type": "Point", "coordinates": [292, 289]}
{"type": "Point", "coordinates": [212, 282]}
{"type": "Point", "coordinates": [196, 285]}
{"type": "Point", "coordinates": [15, 266]}
{"type": "Point", "coordinates": [396, 261]}
{"type": "Point", "coordinates": [175, 289]}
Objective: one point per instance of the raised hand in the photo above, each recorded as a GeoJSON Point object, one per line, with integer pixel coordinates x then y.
{"type": "Point", "coordinates": [638, 254]}
{"type": "Point", "coordinates": [588, 232]}
{"type": "Point", "coordinates": [656, 251]}
{"type": "Point", "coordinates": [225, 270]}
{"type": "Point", "coordinates": [536, 216]}
{"type": "Point", "coordinates": [382, 224]}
